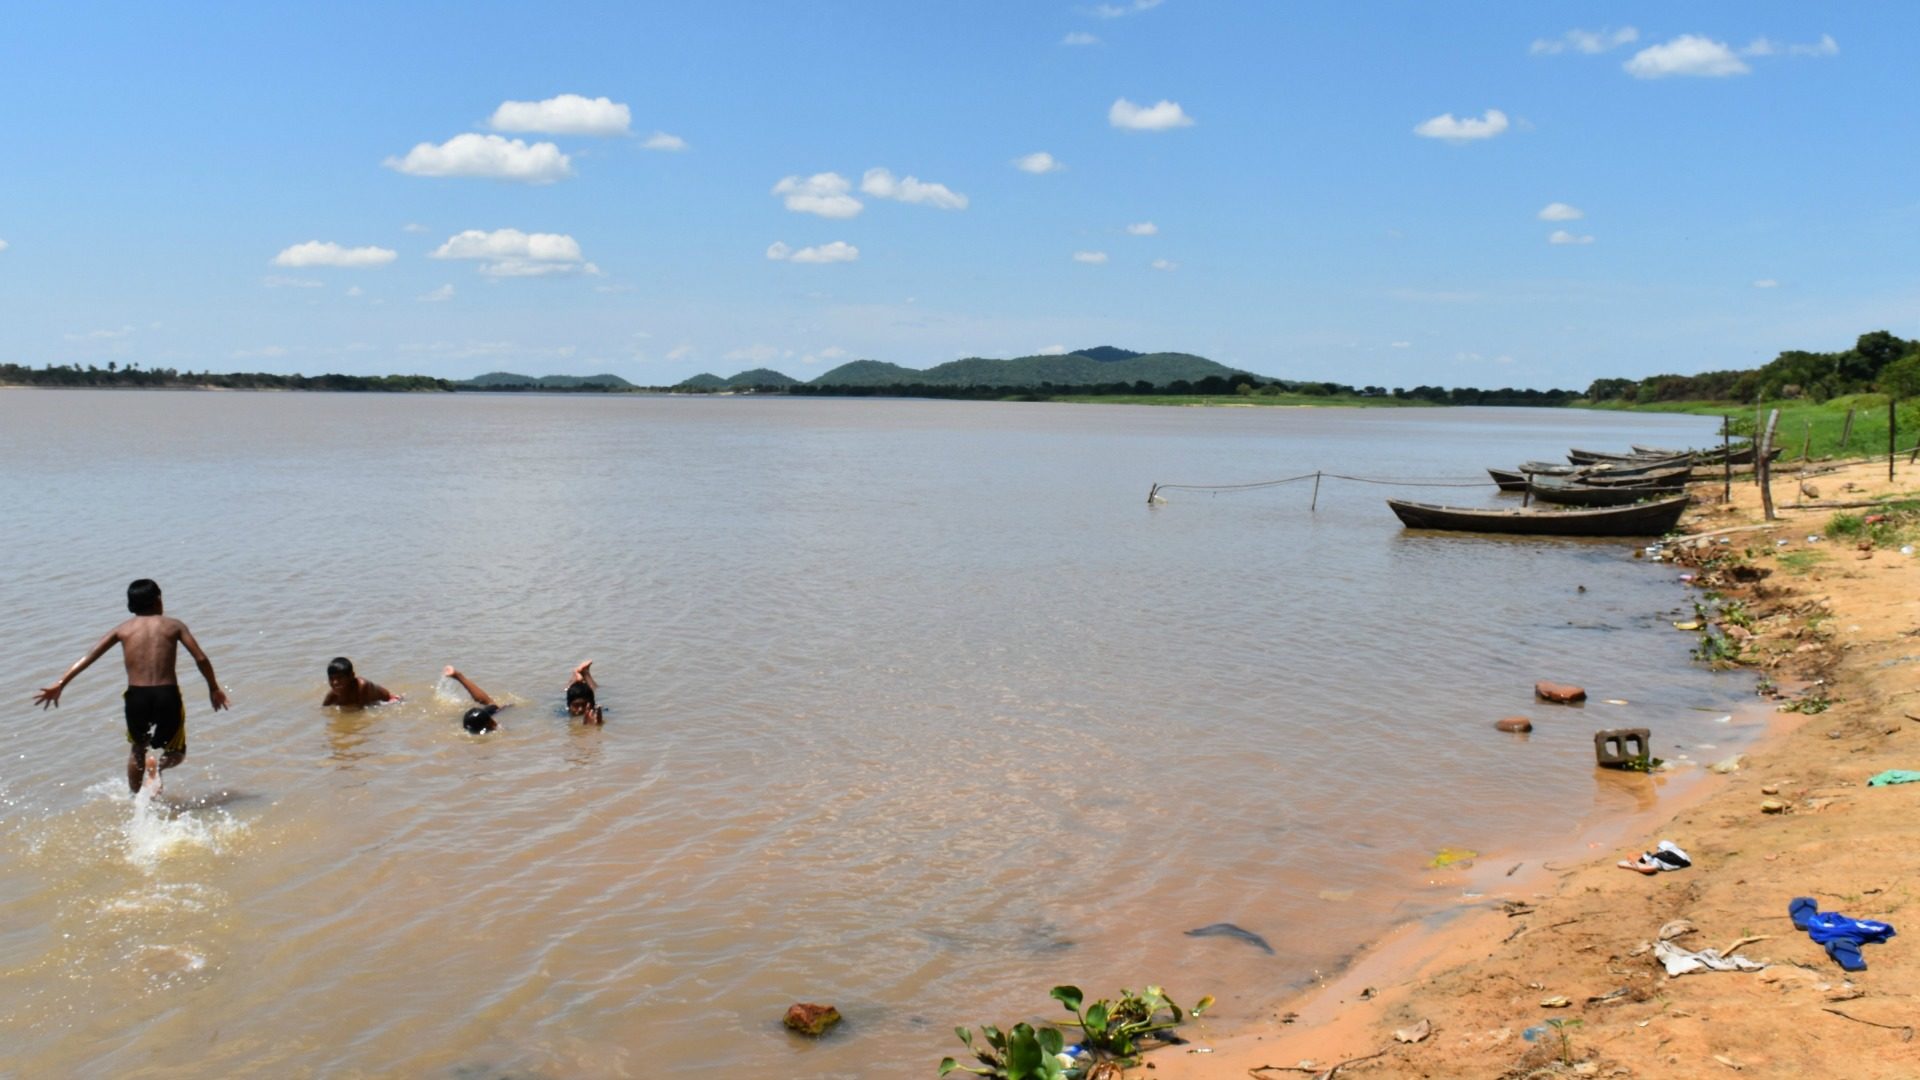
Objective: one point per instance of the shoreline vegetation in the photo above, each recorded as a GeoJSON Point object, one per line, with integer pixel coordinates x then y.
{"type": "Point", "coordinates": [1818, 605]}
{"type": "Point", "coordinates": [1831, 403]}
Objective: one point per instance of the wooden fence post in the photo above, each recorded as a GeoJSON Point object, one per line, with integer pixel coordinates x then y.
{"type": "Point", "coordinates": [1726, 457]}
{"type": "Point", "coordinates": [1846, 432]}
{"type": "Point", "coordinates": [1892, 422]}
{"type": "Point", "coordinates": [1762, 467]}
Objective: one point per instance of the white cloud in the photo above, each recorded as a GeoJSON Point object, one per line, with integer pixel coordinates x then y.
{"type": "Point", "coordinates": [1079, 37]}
{"type": "Point", "coordinates": [1562, 236]}
{"type": "Point", "coordinates": [838, 251]}
{"type": "Point", "coordinates": [1115, 11]}
{"type": "Point", "coordinates": [1586, 41]}
{"type": "Point", "coordinates": [881, 184]}
{"type": "Point", "coordinates": [102, 335]}
{"type": "Point", "coordinates": [267, 353]}
{"type": "Point", "coordinates": [1446, 126]}
{"type": "Point", "coordinates": [753, 354]}
{"type": "Point", "coordinates": [824, 194]}
{"type": "Point", "coordinates": [1164, 264]}
{"type": "Point", "coordinates": [1766, 283]}
{"type": "Point", "coordinates": [1039, 162]}
{"type": "Point", "coordinates": [1052, 350]}
{"type": "Point", "coordinates": [444, 292]}
{"type": "Point", "coordinates": [4, 245]}
{"type": "Point", "coordinates": [356, 290]}
{"type": "Point", "coordinates": [680, 352]}
{"type": "Point", "coordinates": [1688, 54]}
{"type": "Point", "coordinates": [1402, 345]}
{"type": "Point", "coordinates": [1142, 228]}
{"type": "Point", "coordinates": [413, 227]}
{"type": "Point", "coordinates": [317, 253]}
{"type": "Point", "coordinates": [1093, 257]}
{"type": "Point", "coordinates": [1161, 116]}
{"type": "Point", "coordinates": [278, 281]}
{"type": "Point", "coordinates": [567, 114]}
{"type": "Point", "coordinates": [1826, 46]}
{"type": "Point", "coordinates": [831, 352]}
{"type": "Point", "coordinates": [660, 140]}
{"type": "Point", "coordinates": [512, 253]}
{"type": "Point", "coordinates": [1559, 211]}
{"type": "Point", "coordinates": [490, 156]}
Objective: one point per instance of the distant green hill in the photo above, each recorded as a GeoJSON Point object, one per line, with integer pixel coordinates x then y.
{"type": "Point", "coordinates": [1073, 369]}
{"type": "Point", "coordinates": [1108, 353]}
{"type": "Point", "coordinates": [702, 381]}
{"type": "Point", "coordinates": [761, 377]}
{"type": "Point", "coordinates": [507, 379]}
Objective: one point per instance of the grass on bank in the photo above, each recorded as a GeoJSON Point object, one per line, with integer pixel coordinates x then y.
{"type": "Point", "coordinates": [1806, 429]}
{"type": "Point", "coordinates": [1246, 400]}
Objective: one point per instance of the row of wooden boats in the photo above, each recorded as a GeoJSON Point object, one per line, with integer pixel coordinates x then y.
{"type": "Point", "coordinates": [1638, 493]}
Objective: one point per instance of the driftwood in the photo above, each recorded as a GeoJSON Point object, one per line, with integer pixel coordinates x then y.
{"type": "Point", "coordinates": [1906, 1032]}
{"type": "Point", "coordinates": [1331, 1071]}
{"type": "Point", "coordinates": [1832, 505]}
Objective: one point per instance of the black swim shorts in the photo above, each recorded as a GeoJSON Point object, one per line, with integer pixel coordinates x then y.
{"type": "Point", "coordinates": [156, 718]}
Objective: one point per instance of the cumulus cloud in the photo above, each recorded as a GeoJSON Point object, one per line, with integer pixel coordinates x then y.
{"type": "Point", "coordinates": [4, 245]}
{"type": "Point", "coordinates": [102, 335]}
{"type": "Point", "coordinates": [881, 184]}
{"type": "Point", "coordinates": [1142, 228]}
{"type": "Point", "coordinates": [413, 227]}
{"type": "Point", "coordinates": [836, 252]}
{"type": "Point", "coordinates": [1052, 350]}
{"type": "Point", "coordinates": [1079, 37]}
{"type": "Point", "coordinates": [752, 354]}
{"type": "Point", "coordinates": [327, 253]}
{"type": "Point", "coordinates": [1465, 129]}
{"type": "Point", "coordinates": [1688, 54]}
{"type": "Point", "coordinates": [1093, 257]}
{"type": "Point", "coordinates": [660, 140]}
{"type": "Point", "coordinates": [268, 352]}
{"type": "Point", "coordinates": [355, 290]}
{"type": "Point", "coordinates": [1586, 41]}
{"type": "Point", "coordinates": [1562, 236]}
{"type": "Point", "coordinates": [1559, 211]}
{"type": "Point", "coordinates": [1117, 11]}
{"type": "Point", "coordinates": [512, 253]}
{"type": "Point", "coordinates": [824, 194]}
{"type": "Point", "coordinates": [567, 114]}
{"type": "Point", "coordinates": [1164, 264]}
{"type": "Point", "coordinates": [278, 281]}
{"type": "Point", "coordinates": [1401, 345]}
{"type": "Point", "coordinates": [1039, 162]}
{"type": "Point", "coordinates": [444, 292]}
{"type": "Point", "coordinates": [1826, 46]}
{"type": "Point", "coordinates": [680, 352]}
{"type": "Point", "coordinates": [491, 156]}
{"type": "Point", "coordinates": [1164, 115]}
{"type": "Point", "coordinates": [1766, 283]}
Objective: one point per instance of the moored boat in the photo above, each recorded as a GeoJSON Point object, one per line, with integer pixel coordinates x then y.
{"type": "Point", "coordinates": [1597, 457]}
{"type": "Point", "coordinates": [1509, 479]}
{"type": "Point", "coordinates": [1641, 519]}
{"type": "Point", "coordinates": [1560, 492]}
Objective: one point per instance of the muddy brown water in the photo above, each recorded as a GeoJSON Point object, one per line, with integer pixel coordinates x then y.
{"type": "Point", "coordinates": [914, 707]}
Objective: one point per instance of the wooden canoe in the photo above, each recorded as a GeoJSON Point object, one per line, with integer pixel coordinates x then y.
{"type": "Point", "coordinates": [1642, 519]}
{"type": "Point", "coordinates": [1597, 457]}
{"type": "Point", "coordinates": [1548, 489]}
{"type": "Point", "coordinates": [1509, 479]}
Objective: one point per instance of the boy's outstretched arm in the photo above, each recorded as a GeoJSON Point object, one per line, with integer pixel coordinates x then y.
{"type": "Point", "coordinates": [479, 696]}
{"type": "Point", "coordinates": [49, 697]}
{"type": "Point", "coordinates": [218, 696]}
{"type": "Point", "coordinates": [583, 672]}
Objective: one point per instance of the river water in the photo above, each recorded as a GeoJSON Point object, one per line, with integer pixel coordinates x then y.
{"type": "Point", "coordinates": [914, 707]}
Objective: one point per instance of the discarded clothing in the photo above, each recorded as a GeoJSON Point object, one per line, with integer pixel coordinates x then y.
{"type": "Point", "coordinates": [1681, 961]}
{"type": "Point", "coordinates": [1895, 776]}
{"type": "Point", "coordinates": [1667, 856]}
{"type": "Point", "coordinates": [1840, 935]}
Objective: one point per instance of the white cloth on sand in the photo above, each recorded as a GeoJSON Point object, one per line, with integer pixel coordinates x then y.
{"type": "Point", "coordinates": [1681, 961]}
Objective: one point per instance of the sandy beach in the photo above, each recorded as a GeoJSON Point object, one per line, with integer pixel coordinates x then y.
{"type": "Point", "coordinates": [1570, 937]}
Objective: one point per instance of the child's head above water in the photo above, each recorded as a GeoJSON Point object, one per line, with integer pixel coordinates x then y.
{"type": "Point", "coordinates": [579, 698]}
{"type": "Point", "coordinates": [479, 719]}
{"type": "Point", "coordinates": [143, 597]}
{"type": "Point", "coordinates": [340, 673]}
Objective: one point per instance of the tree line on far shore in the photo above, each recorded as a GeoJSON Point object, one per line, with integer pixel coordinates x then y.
{"type": "Point", "coordinates": [135, 377]}
{"type": "Point", "coordinates": [1878, 361]}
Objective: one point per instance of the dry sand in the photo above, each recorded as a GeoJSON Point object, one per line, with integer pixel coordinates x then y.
{"type": "Point", "coordinates": [1847, 627]}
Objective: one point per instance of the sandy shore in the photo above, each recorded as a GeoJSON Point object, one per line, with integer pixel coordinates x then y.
{"type": "Point", "coordinates": [1835, 623]}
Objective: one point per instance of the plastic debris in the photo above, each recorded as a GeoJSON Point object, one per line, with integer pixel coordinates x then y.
{"type": "Point", "coordinates": [1447, 856]}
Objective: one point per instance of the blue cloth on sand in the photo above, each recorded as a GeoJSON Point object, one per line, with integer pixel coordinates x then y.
{"type": "Point", "coordinates": [1842, 936]}
{"type": "Point", "coordinates": [1894, 776]}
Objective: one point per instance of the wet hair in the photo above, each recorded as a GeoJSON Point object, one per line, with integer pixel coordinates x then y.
{"type": "Point", "coordinates": [479, 719]}
{"type": "Point", "coordinates": [340, 668]}
{"type": "Point", "coordinates": [579, 691]}
{"type": "Point", "coordinates": [143, 597]}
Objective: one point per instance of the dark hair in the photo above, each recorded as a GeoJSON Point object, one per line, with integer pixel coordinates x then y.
{"type": "Point", "coordinates": [340, 668]}
{"type": "Point", "coordinates": [579, 691]}
{"type": "Point", "coordinates": [479, 719]}
{"type": "Point", "coordinates": [143, 597]}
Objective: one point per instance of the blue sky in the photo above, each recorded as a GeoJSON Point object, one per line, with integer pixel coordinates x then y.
{"type": "Point", "coordinates": [1337, 191]}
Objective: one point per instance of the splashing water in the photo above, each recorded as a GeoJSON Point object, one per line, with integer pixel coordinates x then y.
{"type": "Point", "coordinates": [155, 831]}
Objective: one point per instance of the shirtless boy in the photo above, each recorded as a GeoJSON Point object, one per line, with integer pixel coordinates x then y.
{"type": "Point", "coordinates": [580, 700]}
{"type": "Point", "coordinates": [479, 719]}
{"type": "Point", "coordinates": [156, 717]}
{"type": "Point", "coordinates": [350, 691]}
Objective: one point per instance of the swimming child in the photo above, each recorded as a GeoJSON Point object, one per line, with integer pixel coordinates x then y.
{"type": "Point", "coordinates": [156, 716]}
{"type": "Point", "coordinates": [479, 719]}
{"type": "Point", "coordinates": [350, 691]}
{"type": "Point", "coordinates": [580, 702]}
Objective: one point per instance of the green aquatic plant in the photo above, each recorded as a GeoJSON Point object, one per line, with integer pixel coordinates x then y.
{"type": "Point", "coordinates": [1022, 1053]}
{"type": "Point", "coordinates": [1560, 1026]}
{"type": "Point", "coordinates": [1114, 1031]}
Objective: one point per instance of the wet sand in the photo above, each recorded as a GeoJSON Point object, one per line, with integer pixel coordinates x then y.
{"type": "Point", "coordinates": [1844, 626]}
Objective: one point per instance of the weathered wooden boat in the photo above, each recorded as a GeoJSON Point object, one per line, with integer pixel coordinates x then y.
{"type": "Point", "coordinates": [1641, 519]}
{"type": "Point", "coordinates": [1738, 455]}
{"type": "Point", "coordinates": [1560, 492]}
{"type": "Point", "coordinates": [1609, 470]}
{"type": "Point", "coordinates": [1674, 477]}
{"type": "Point", "coordinates": [1509, 479]}
{"type": "Point", "coordinates": [1596, 457]}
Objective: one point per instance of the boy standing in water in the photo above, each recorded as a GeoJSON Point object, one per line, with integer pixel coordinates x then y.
{"type": "Point", "coordinates": [156, 716]}
{"type": "Point", "coordinates": [350, 691]}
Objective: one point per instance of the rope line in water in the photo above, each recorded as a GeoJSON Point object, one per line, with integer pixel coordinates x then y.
{"type": "Point", "coordinates": [1426, 481]}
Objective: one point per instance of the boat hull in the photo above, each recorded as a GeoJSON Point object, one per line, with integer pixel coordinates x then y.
{"type": "Point", "coordinates": [1644, 519]}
